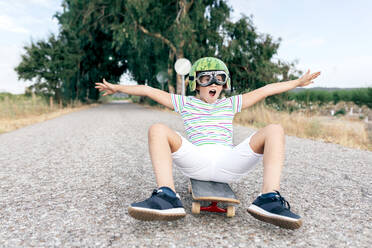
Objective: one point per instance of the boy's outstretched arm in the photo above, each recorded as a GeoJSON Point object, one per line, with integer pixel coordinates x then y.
{"type": "Point", "coordinates": [157, 95]}
{"type": "Point", "coordinates": [259, 94]}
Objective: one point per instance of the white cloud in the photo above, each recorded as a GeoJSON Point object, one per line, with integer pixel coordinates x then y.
{"type": "Point", "coordinates": [313, 42]}
{"type": "Point", "coordinates": [17, 5]}
{"type": "Point", "coordinates": [9, 59]}
{"type": "Point", "coordinates": [10, 54]}
{"type": "Point", "coordinates": [44, 3]}
{"type": "Point", "coordinates": [20, 21]}
{"type": "Point", "coordinates": [303, 42]}
{"type": "Point", "coordinates": [8, 24]}
{"type": "Point", "coordinates": [345, 72]}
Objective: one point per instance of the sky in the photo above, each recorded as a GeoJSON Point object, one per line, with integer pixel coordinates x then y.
{"type": "Point", "coordinates": [330, 36]}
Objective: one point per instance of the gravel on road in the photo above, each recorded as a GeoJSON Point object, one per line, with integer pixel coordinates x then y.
{"type": "Point", "coordinates": [68, 182]}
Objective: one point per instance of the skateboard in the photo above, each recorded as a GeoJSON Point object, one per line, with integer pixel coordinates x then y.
{"type": "Point", "coordinates": [213, 192]}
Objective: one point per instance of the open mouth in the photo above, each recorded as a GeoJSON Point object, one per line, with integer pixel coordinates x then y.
{"type": "Point", "coordinates": [212, 92]}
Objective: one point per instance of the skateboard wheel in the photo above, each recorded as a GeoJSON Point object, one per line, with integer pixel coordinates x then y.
{"type": "Point", "coordinates": [195, 208]}
{"type": "Point", "coordinates": [230, 211]}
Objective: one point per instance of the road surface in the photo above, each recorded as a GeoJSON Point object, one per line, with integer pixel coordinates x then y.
{"type": "Point", "coordinates": [68, 182]}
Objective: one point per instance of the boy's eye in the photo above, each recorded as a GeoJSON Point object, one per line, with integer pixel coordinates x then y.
{"type": "Point", "coordinates": [221, 77]}
{"type": "Point", "coordinates": [205, 78]}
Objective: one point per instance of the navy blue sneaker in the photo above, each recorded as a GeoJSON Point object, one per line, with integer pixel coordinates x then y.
{"type": "Point", "coordinates": [274, 209]}
{"type": "Point", "coordinates": [163, 204]}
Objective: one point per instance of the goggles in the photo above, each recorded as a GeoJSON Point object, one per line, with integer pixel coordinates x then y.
{"type": "Point", "coordinates": [206, 78]}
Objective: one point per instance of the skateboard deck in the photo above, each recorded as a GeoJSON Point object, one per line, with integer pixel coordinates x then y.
{"type": "Point", "coordinates": [213, 192]}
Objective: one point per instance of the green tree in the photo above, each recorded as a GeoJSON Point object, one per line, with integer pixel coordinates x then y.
{"type": "Point", "coordinates": [102, 38]}
{"type": "Point", "coordinates": [44, 62]}
{"type": "Point", "coordinates": [177, 29]}
{"type": "Point", "coordinates": [86, 23]}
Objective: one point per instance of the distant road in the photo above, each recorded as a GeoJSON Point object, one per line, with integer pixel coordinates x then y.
{"type": "Point", "coordinates": [69, 181]}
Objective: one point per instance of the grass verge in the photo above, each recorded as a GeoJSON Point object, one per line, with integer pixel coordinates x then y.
{"type": "Point", "coordinates": [339, 130]}
{"type": "Point", "coordinates": [17, 111]}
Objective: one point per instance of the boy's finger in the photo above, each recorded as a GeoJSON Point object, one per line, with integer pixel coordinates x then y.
{"type": "Point", "coordinates": [316, 74]}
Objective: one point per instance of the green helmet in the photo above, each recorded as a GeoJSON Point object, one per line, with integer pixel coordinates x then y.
{"type": "Point", "coordinates": [207, 64]}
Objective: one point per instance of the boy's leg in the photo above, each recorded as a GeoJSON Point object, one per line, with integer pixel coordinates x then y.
{"type": "Point", "coordinates": [270, 142]}
{"type": "Point", "coordinates": [271, 206]}
{"type": "Point", "coordinates": [163, 141]}
{"type": "Point", "coordinates": [164, 203]}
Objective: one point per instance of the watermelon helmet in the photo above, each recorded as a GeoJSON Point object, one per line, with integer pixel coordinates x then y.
{"type": "Point", "coordinates": [207, 64]}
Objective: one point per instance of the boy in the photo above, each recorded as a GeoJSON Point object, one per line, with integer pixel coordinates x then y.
{"type": "Point", "coordinates": [208, 153]}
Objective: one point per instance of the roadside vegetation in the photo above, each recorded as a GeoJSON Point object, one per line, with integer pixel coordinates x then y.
{"type": "Point", "coordinates": [17, 111]}
{"type": "Point", "coordinates": [338, 129]}
{"type": "Point", "coordinates": [359, 96]}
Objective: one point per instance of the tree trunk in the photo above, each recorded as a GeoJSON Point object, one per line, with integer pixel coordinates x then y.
{"type": "Point", "coordinates": [77, 84]}
{"type": "Point", "coordinates": [174, 49]}
{"type": "Point", "coordinates": [180, 55]}
{"type": "Point", "coordinates": [170, 71]}
{"type": "Point", "coordinates": [179, 84]}
{"type": "Point", "coordinates": [51, 102]}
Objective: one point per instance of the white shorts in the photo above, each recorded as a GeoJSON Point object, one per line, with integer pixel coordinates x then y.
{"type": "Point", "coordinates": [215, 162]}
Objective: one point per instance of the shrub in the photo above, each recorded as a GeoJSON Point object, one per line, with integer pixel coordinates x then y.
{"type": "Point", "coordinates": [135, 99]}
{"type": "Point", "coordinates": [340, 112]}
{"type": "Point", "coordinates": [361, 96]}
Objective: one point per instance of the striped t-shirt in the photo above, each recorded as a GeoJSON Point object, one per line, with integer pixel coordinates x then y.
{"type": "Point", "coordinates": [208, 123]}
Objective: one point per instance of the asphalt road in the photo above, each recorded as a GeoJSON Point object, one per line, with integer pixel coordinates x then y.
{"type": "Point", "coordinates": [68, 182]}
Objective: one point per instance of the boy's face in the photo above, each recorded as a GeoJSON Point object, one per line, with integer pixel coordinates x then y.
{"type": "Point", "coordinates": [209, 93]}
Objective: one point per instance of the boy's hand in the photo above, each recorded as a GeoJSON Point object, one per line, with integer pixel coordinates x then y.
{"type": "Point", "coordinates": [106, 86]}
{"type": "Point", "coordinates": [307, 78]}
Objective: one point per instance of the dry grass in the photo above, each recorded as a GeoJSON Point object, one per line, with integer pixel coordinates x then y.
{"type": "Point", "coordinates": [339, 130]}
{"type": "Point", "coordinates": [19, 111]}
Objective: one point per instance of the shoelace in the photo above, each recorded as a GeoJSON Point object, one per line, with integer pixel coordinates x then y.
{"type": "Point", "coordinates": [157, 191]}
{"type": "Point", "coordinates": [284, 202]}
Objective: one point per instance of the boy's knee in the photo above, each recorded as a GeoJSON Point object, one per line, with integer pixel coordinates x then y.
{"type": "Point", "coordinates": [158, 129]}
{"type": "Point", "coordinates": [276, 129]}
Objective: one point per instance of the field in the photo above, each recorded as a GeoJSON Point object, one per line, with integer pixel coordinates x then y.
{"type": "Point", "coordinates": [350, 132]}
{"type": "Point", "coordinates": [17, 111]}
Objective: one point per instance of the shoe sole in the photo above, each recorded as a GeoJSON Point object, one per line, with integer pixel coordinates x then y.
{"type": "Point", "coordinates": [149, 214]}
{"type": "Point", "coordinates": [284, 222]}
